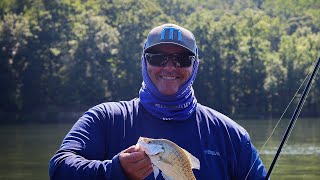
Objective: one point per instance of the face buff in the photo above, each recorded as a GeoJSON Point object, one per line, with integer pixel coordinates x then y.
{"type": "Point", "coordinates": [178, 106]}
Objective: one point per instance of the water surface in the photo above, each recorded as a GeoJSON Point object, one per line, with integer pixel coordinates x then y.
{"type": "Point", "coordinates": [300, 156]}
{"type": "Point", "coordinates": [26, 149]}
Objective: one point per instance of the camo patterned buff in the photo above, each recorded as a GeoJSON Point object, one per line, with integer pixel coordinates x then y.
{"type": "Point", "coordinates": [178, 106]}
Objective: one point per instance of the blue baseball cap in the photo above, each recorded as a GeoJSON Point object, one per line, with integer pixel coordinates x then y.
{"type": "Point", "coordinates": [171, 34]}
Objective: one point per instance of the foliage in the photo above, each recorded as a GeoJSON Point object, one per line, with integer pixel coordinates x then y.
{"type": "Point", "coordinates": [254, 54]}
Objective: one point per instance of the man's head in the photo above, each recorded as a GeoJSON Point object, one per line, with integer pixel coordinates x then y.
{"type": "Point", "coordinates": [169, 67]}
{"type": "Point", "coordinates": [170, 53]}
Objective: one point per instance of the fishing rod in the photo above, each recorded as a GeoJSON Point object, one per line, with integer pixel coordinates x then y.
{"type": "Point", "coordinates": [295, 115]}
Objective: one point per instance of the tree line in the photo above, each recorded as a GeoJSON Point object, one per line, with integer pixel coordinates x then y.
{"type": "Point", "coordinates": [66, 54]}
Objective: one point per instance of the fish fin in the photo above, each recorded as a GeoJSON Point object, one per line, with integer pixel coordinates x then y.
{"type": "Point", "coordinates": [155, 171]}
{"type": "Point", "coordinates": [195, 163]}
{"type": "Point", "coordinates": [166, 177]}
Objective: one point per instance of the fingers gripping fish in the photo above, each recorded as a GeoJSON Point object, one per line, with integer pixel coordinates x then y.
{"type": "Point", "coordinates": [174, 162]}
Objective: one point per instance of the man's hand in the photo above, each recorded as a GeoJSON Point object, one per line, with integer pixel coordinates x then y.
{"type": "Point", "coordinates": [135, 163]}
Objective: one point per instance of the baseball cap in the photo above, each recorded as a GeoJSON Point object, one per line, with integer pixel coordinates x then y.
{"type": "Point", "coordinates": [171, 34]}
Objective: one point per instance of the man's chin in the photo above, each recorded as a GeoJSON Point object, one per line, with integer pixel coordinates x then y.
{"type": "Point", "coordinates": [168, 92]}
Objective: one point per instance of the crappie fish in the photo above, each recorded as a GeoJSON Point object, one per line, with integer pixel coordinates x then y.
{"type": "Point", "coordinates": [174, 162]}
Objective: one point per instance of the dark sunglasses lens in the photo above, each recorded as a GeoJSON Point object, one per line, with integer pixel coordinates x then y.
{"type": "Point", "coordinates": [184, 60]}
{"type": "Point", "coordinates": [155, 59]}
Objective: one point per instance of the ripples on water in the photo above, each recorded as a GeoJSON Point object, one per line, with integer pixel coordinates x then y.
{"type": "Point", "coordinates": [294, 150]}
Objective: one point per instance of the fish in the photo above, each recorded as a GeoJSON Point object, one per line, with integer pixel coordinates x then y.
{"type": "Point", "coordinates": [174, 162]}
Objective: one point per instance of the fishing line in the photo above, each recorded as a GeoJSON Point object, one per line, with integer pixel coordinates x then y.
{"type": "Point", "coordinates": [263, 146]}
{"type": "Point", "coordinates": [295, 114]}
{"type": "Point", "coordinates": [292, 123]}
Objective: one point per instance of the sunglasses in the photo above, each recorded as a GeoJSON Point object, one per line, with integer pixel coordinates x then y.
{"type": "Point", "coordinates": [178, 60]}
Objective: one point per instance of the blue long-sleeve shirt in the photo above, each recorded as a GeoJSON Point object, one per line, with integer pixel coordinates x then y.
{"type": "Point", "coordinates": [90, 150]}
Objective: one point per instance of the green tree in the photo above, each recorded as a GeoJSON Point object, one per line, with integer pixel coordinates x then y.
{"type": "Point", "coordinates": [217, 43]}
{"type": "Point", "coordinates": [14, 36]}
{"type": "Point", "coordinates": [254, 47]}
{"type": "Point", "coordinates": [133, 20]}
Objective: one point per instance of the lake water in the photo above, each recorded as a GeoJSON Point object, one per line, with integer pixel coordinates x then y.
{"type": "Point", "coordinates": [26, 149]}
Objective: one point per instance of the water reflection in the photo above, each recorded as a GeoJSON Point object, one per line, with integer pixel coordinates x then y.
{"type": "Point", "coordinates": [305, 132]}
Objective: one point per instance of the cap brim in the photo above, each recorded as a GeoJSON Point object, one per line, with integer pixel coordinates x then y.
{"type": "Point", "coordinates": [158, 45]}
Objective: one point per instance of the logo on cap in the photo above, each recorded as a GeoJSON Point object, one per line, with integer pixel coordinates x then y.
{"type": "Point", "coordinates": [171, 33]}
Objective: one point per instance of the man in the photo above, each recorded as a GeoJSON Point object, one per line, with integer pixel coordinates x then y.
{"type": "Point", "coordinates": [101, 144]}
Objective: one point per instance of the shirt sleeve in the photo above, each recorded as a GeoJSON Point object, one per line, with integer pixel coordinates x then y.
{"type": "Point", "coordinates": [250, 165]}
{"type": "Point", "coordinates": [83, 151]}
